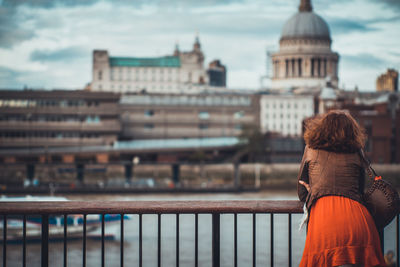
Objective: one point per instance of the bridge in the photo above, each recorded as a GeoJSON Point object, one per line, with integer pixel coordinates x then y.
{"type": "Point", "coordinates": [173, 152]}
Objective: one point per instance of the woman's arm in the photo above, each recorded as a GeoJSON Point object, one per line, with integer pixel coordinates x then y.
{"type": "Point", "coordinates": [303, 188]}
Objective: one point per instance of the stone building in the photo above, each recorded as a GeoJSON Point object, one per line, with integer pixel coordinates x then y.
{"type": "Point", "coordinates": [305, 58]}
{"type": "Point", "coordinates": [40, 119]}
{"type": "Point", "coordinates": [379, 114]}
{"type": "Point", "coordinates": [167, 116]}
{"type": "Point", "coordinates": [183, 71]}
{"type": "Point", "coordinates": [283, 114]}
{"type": "Point", "coordinates": [217, 73]}
{"type": "Point", "coordinates": [388, 81]}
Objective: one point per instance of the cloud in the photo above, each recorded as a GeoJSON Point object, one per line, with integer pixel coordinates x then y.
{"type": "Point", "coordinates": [389, 3]}
{"type": "Point", "coordinates": [10, 32]}
{"type": "Point", "coordinates": [9, 79]}
{"type": "Point", "coordinates": [65, 55]}
{"type": "Point", "coordinates": [46, 3]}
{"type": "Point", "coordinates": [345, 26]}
{"type": "Point", "coordinates": [364, 60]}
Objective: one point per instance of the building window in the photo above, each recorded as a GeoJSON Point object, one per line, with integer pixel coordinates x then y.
{"type": "Point", "coordinates": [92, 119]}
{"type": "Point", "coordinates": [238, 114]}
{"type": "Point", "coordinates": [149, 126]}
{"type": "Point", "coordinates": [203, 126]}
{"type": "Point", "coordinates": [300, 69]}
{"type": "Point", "coordinates": [287, 68]}
{"type": "Point", "coordinates": [238, 127]}
{"type": "Point", "coordinates": [319, 68]}
{"type": "Point", "coordinates": [312, 67]}
{"type": "Point", "coordinates": [204, 115]}
{"type": "Point", "coordinates": [293, 68]}
{"type": "Point", "coordinates": [100, 75]}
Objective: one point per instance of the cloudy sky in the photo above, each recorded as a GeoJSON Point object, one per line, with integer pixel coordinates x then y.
{"type": "Point", "coordinates": [48, 43]}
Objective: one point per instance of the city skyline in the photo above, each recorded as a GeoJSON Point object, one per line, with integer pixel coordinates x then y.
{"type": "Point", "coordinates": [48, 44]}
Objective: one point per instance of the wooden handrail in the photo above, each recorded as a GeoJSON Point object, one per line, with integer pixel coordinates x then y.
{"type": "Point", "coordinates": [151, 207]}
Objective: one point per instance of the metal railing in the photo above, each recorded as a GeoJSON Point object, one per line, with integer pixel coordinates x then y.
{"type": "Point", "coordinates": [215, 208]}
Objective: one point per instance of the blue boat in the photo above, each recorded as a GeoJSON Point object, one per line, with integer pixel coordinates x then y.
{"type": "Point", "coordinates": [74, 223]}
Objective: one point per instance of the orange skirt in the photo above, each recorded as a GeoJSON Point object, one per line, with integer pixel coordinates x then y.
{"type": "Point", "coordinates": [341, 231]}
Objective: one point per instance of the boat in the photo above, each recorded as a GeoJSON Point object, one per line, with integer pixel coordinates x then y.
{"type": "Point", "coordinates": [74, 223]}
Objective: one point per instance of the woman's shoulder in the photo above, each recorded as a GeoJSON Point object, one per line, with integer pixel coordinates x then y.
{"type": "Point", "coordinates": [349, 156]}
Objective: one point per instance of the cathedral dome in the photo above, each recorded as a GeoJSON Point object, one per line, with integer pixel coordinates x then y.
{"type": "Point", "coordinates": [305, 24]}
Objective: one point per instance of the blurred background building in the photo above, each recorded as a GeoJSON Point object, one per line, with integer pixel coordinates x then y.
{"type": "Point", "coordinates": [165, 116]}
{"type": "Point", "coordinates": [388, 81]}
{"type": "Point", "coordinates": [305, 58]}
{"type": "Point", "coordinates": [217, 73]}
{"type": "Point", "coordinates": [175, 97]}
{"type": "Point", "coordinates": [183, 71]}
{"type": "Point", "coordinates": [59, 118]}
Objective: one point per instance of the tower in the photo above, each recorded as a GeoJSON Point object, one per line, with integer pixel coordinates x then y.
{"type": "Point", "coordinates": [305, 58]}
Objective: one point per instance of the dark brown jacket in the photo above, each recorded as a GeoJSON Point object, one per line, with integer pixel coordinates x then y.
{"type": "Point", "coordinates": [330, 173]}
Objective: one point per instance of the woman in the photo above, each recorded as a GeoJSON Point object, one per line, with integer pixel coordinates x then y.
{"type": "Point", "coordinates": [340, 230]}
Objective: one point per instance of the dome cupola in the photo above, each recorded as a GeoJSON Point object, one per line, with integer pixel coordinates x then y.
{"type": "Point", "coordinates": [305, 24]}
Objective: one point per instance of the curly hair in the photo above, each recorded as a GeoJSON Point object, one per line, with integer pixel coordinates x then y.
{"type": "Point", "coordinates": [335, 131]}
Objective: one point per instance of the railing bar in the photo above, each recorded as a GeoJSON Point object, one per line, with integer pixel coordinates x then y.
{"type": "Point", "coordinates": [196, 240]}
{"type": "Point", "coordinates": [216, 239]}
{"type": "Point", "coordinates": [5, 240]}
{"type": "Point", "coordinates": [65, 238]}
{"type": "Point", "coordinates": [122, 240]}
{"type": "Point", "coordinates": [290, 238]}
{"type": "Point", "coordinates": [254, 240]}
{"type": "Point", "coordinates": [102, 240]}
{"type": "Point", "coordinates": [397, 241]}
{"type": "Point", "coordinates": [140, 240]}
{"type": "Point", "coordinates": [159, 240]}
{"type": "Point", "coordinates": [84, 242]}
{"type": "Point", "coordinates": [272, 239]}
{"type": "Point", "coordinates": [24, 241]}
{"type": "Point", "coordinates": [45, 240]}
{"type": "Point", "coordinates": [235, 238]}
{"type": "Point", "coordinates": [177, 240]}
{"type": "Point", "coordinates": [381, 237]}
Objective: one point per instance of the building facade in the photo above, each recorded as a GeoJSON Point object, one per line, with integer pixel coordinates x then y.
{"type": "Point", "coordinates": [284, 113]}
{"type": "Point", "coordinates": [388, 81]}
{"type": "Point", "coordinates": [305, 58]}
{"type": "Point", "coordinates": [217, 74]}
{"type": "Point", "coordinates": [180, 72]}
{"type": "Point", "coordinates": [166, 116]}
{"type": "Point", "coordinates": [40, 119]}
{"type": "Point", "coordinates": [378, 113]}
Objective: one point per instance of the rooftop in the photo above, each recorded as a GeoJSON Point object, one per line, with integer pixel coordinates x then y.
{"type": "Point", "coordinates": [167, 61]}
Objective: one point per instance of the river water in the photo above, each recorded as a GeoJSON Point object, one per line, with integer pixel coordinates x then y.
{"type": "Point", "coordinates": [186, 234]}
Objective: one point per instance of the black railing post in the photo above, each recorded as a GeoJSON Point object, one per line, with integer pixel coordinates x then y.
{"type": "Point", "coordinates": [382, 239]}
{"type": "Point", "coordinates": [290, 239]}
{"type": "Point", "coordinates": [45, 240]}
{"type": "Point", "coordinates": [272, 239]}
{"type": "Point", "coordinates": [5, 240]}
{"type": "Point", "coordinates": [216, 239]}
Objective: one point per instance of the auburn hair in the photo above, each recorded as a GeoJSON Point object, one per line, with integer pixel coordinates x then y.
{"type": "Point", "coordinates": [335, 131]}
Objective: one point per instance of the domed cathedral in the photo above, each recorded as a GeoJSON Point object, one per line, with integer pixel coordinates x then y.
{"type": "Point", "coordinates": [305, 58]}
